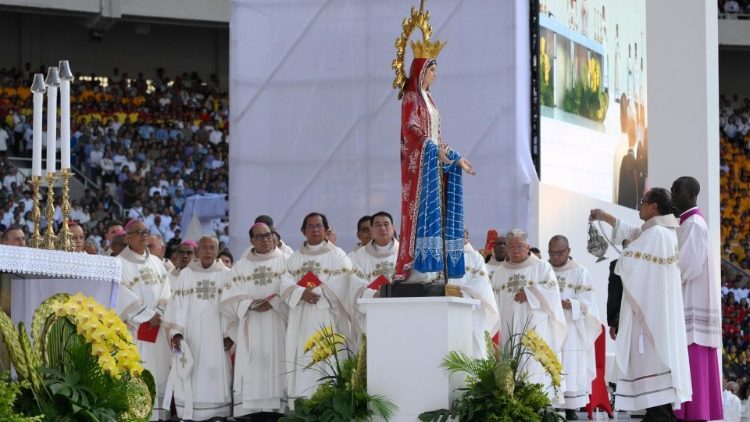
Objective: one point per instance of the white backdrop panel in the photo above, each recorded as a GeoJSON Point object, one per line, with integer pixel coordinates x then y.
{"type": "Point", "coordinates": [315, 122]}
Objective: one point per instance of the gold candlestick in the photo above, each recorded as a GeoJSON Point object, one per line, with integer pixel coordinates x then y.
{"type": "Point", "coordinates": [49, 236]}
{"type": "Point", "coordinates": [66, 239]}
{"type": "Point", "coordinates": [36, 214]}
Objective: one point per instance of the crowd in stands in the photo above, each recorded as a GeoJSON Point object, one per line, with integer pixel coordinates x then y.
{"type": "Point", "coordinates": [735, 239]}
{"type": "Point", "coordinates": [146, 144]}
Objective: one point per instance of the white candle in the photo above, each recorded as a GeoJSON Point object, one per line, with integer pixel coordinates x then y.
{"type": "Point", "coordinates": [65, 124]}
{"type": "Point", "coordinates": [65, 78]}
{"type": "Point", "coordinates": [51, 128]}
{"type": "Point", "coordinates": [36, 155]}
{"type": "Point", "coordinates": [38, 89]}
{"type": "Point", "coordinates": [53, 82]}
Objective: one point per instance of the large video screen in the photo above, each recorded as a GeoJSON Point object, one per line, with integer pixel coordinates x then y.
{"type": "Point", "coordinates": [593, 101]}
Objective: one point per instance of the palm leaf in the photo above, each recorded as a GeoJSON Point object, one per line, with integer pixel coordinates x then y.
{"type": "Point", "coordinates": [32, 364]}
{"type": "Point", "coordinates": [382, 407]}
{"type": "Point", "coordinates": [460, 362]}
{"type": "Point", "coordinates": [10, 336]}
{"type": "Point", "coordinates": [56, 334]}
{"type": "Point", "coordinates": [41, 318]}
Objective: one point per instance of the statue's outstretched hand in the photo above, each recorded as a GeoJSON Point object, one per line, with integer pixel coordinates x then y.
{"type": "Point", "coordinates": [443, 152]}
{"type": "Point", "coordinates": [466, 166]}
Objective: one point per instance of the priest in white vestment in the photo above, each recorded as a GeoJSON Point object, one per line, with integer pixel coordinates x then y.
{"type": "Point", "coordinates": [317, 296]}
{"type": "Point", "coordinates": [651, 353]}
{"type": "Point", "coordinates": [529, 298]}
{"type": "Point", "coordinates": [185, 255]}
{"type": "Point", "coordinates": [584, 325]}
{"type": "Point", "coordinates": [253, 303]}
{"type": "Point", "coordinates": [475, 284]}
{"type": "Point", "coordinates": [372, 266]}
{"type": "Point", "coordinates": [268, 221]}
{"type": "Point", "coordinates": [157, 247]}
{"type": "Point", "coordinates": [701, 296]}
{"type": "Point", "coordinates": [143, 295]}
{"type": "Point", "coordinates": [364, 232]}
{"type": "Point", "coordinates": [497, 257]}
{"type": "Point", "coordinates": [193, 316]}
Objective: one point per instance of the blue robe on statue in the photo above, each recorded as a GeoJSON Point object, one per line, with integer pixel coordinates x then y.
{"type": "Point", "coordinates": [428, 251]}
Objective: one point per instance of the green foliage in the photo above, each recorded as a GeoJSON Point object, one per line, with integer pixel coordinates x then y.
{"type": "Point", "coordinates": [9, 392]}
{"type": "Point", "coordinates": [342, 395]}
{"type": "Point", "coordinates": [80, 390]}
{"type": "Point", "coordinates": [495, 390]}
{"type": "Point", "coordinates": [60, 379]}
{"type": "Point", "coordinates": [586, 102]}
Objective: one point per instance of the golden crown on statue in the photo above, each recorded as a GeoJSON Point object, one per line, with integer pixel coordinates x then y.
{"type": "Point", "coordinates": [424, 49]}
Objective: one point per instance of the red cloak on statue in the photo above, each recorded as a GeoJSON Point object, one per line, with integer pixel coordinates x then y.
{"type": "Point", "coordinates": [415, 130]}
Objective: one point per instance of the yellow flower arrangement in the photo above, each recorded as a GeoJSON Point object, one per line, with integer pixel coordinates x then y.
{"type": "Point", "coordinates": [543, 354]}
{"type": "Point", "coordinates": [595, 74]}
{"type": "Point", "coordinates": [323, 344]}
{"type": "Point", "coordinates": [544, 59]}
{"type": "Point", "coordinates": [108, 336]}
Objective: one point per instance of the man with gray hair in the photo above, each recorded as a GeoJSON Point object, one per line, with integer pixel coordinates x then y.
{"type": "Point", "coordinates": [528, 297]}
{"type": "Point", "coordinates": [157, 248]}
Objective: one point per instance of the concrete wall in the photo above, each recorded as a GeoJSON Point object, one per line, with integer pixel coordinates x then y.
{"type": "Point", "coordinates": [195, 10]}
{"type": "Point", "coordinates": [734, 65]}
{"type": "Point", "coordinates": [734, 32]}
{"type": "Point", "coordinates": [42, 39]}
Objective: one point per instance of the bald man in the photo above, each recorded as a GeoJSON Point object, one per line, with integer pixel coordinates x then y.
{"type": "Point", "coordinates": [144, 291]}
{"type": "Point", "coordinates": [194, 319]}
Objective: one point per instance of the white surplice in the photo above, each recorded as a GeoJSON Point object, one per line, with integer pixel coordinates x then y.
{"type": "Point", "coordinates": [541, 312]}
{"type": "Point", "coordinates": [172, 275]}
{"type": "Point", "coordinates": [368, 263]}
{"type": "Point", "coordinates": [476, 284]}
{"type": "Point", "coordinates": [168, 265]}
{"type": "Point", "coordinates": [492, 266]}
{"type": "Point", "coordinates": [286, 250]}
{"type": "Point", "coordinates": [584, 327]}
{"type": "Point", "coordinates": [144, 291]}
{"type": "Point", "coordinates": [701, 291]}
{"type": "Point", "coordinates": [331, 265]}
{"type": "Point", "coordinates": [259, 371]}
{"type": "Point", "coordinates": [193, 311]}
{"type": "Point", "coordinates": [651, 353]}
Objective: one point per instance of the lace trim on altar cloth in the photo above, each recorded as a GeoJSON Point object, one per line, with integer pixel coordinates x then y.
{"type": "Point", "coordinates": [50, 263]}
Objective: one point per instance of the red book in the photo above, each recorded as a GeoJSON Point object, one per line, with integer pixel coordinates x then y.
{"type": "Point", "coordinates": [148, 333]}
{"type": "Point", "coordinates": [379, 281]}
{"type": "Point", "coordinates": [309, 280]}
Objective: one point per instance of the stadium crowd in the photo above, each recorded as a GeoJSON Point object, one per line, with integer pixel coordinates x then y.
{"type": "Point", "coordinates": [146, 145]}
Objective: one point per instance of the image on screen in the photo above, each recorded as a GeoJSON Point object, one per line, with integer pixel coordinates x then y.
{"type": "Point", "coordinates": [592, 94]}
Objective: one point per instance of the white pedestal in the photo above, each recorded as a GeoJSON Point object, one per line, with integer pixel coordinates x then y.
{"type": "Point", "coordinates": [407, 339]}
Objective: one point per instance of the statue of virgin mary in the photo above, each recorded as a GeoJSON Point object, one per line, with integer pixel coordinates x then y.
{"type": "Point", "coordinates": [431, 244]}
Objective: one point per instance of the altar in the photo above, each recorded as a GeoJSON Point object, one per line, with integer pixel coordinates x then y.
{"type": "Point", "coordinates": [407, 339]}
{"type": "Point", "coordinates": [36, 274]}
